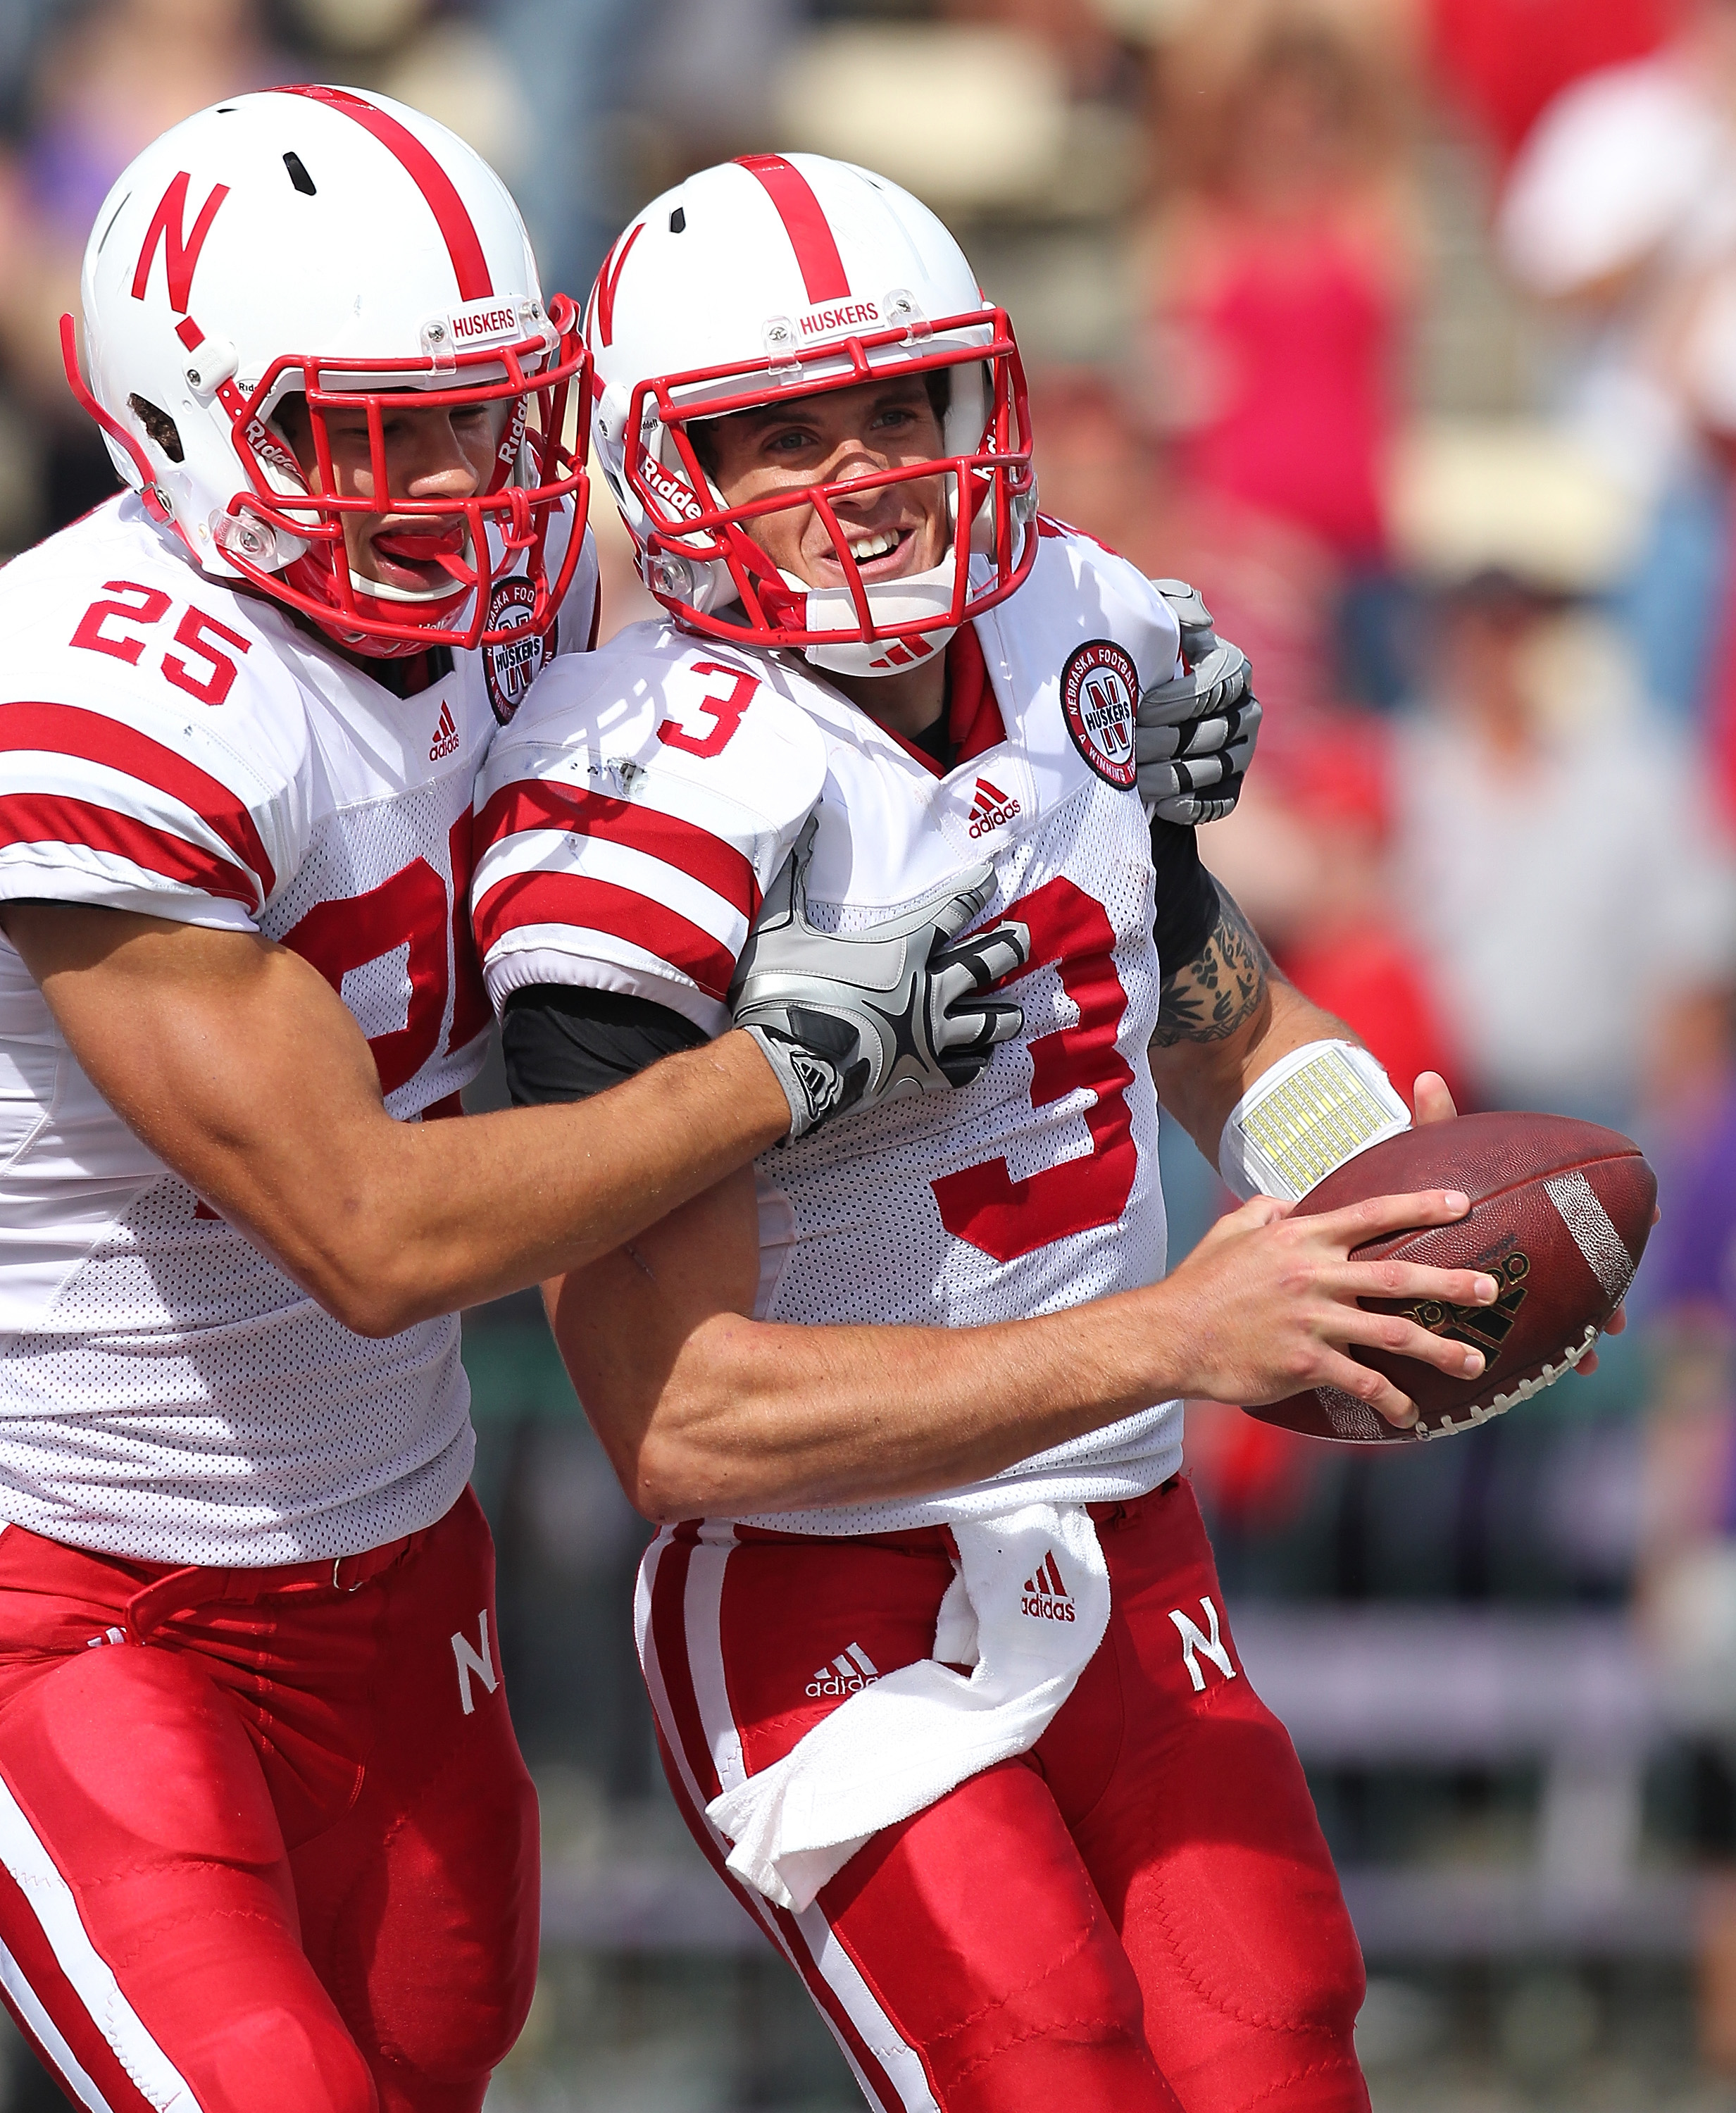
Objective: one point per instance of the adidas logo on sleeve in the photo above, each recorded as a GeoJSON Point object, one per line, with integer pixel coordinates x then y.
{"type": "Point", "coordinates": [990, 807]}
{"type": "Point", "coordinates": [1046, 1598]}
{"type": "Point", "coordinates": [848, 1673]}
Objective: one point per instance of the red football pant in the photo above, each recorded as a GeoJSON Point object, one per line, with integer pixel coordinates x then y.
{"type": "Point", "coordinates": [265, 1841]}
{"type": "Point", "coordinates": [1138, 1916]}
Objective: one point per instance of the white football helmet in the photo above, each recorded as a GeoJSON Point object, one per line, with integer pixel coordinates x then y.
{"type": "Point", "coordinates": [338, 245]}
{"type": "Point", "coordinates": [772, 277]}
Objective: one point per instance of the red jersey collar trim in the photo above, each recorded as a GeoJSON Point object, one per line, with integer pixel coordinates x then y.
{"type": "Point", "coordinates": [974, 721]}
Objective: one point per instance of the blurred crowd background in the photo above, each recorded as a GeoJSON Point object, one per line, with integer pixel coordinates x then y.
{"type": "Point", "coordinates": [1407, 329]}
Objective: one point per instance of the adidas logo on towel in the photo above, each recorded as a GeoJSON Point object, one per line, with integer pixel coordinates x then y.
{"type": "Point", "coordinates": [445, 739]}
{"type": "Point", "coordinates": [1046, 1596]}
{"type": "Point", "coordinates": [991, 807]}
{"type": "Point", "coordinates": [848, 1673]}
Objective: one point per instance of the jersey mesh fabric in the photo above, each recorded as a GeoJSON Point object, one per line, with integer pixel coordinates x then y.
{"type": "Point", "coordinates": [166, 1393]}
{"type": "Point", "coordinates": [868, 1246]}
{"type": "Point", "coordinates": [853, 1226]}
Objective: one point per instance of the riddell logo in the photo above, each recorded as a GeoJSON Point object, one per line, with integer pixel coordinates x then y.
{"type": "Point", "coordinates": [990, 807]}
{"type": "Point", "coordinates": [445, 741]}
{"type": "Point", "coordinates": [848, 1673]}
{"type": "Point", "coordinates": [1046, 1596]}
{"type": "Point", "coordinates": [669, 489]}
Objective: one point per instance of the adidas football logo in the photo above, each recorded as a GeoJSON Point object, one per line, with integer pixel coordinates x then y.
{"type": "Point", "coordinates": [1046, 1598]}
{"type": "Point", "coordinates": [990, 807]}
{"type": "Point", "coordinates": [445, 739]}
{"type": "Point", "coordinates": [848, 1673]}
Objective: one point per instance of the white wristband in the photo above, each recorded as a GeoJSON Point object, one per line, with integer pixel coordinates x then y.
{"type": "Point", "coordinates": [1315, 1108]}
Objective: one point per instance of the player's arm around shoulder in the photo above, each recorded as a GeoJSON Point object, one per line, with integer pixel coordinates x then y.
{"type": "Point", "coordinates": [240, 1067]}
{"type": "Point", "coordinates": [705, 1410]}
{"type": "Point", "coordinates": [629, 820]}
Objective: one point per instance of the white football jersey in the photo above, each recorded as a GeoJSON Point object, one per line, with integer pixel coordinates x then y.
{"type": "Point", "coordinates": [171, 746]}
{"type": "Point", "coordinates": [630, 819]}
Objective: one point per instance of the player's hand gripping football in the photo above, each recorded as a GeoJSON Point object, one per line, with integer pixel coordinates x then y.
{"type": "Point", "coordinates": [1266, 1305]}
{"type": "Point", "coordinates": [1269, 1300]}
{"type": "Point", "coordinates": [1432, 1097]}
{"type": "Point", "coordinates": [1194, 736]}
{"type": "Point", "coordinates": [898, 1008]}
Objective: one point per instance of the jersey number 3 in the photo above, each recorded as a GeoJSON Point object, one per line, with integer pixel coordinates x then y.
{"type": "Point", "coordinates": [984, 1205]}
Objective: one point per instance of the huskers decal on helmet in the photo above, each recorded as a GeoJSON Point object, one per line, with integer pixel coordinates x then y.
{"type": "Point", "coordinates": [193, 365]}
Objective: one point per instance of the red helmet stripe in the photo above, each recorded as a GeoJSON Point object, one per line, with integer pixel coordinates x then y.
{"type": "Point", "coordinates": [607, 280]}
{"type": "Point", "coordinates": [804, 222]}
{"type": "Point", "coordinates": [463, 244]}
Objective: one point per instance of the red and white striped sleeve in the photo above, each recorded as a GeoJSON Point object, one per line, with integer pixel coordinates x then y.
{"type": "Point", "coordinates": [613, 859]}
{"type": "Point", "coordinates": [142, 767]}
{"type": "Point", "coordinates": [94, 810]}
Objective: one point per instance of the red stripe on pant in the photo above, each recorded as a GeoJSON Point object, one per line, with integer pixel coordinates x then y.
{"type": "Point", "coordinates": [1140, 1914]}
{"type": "Point", "coordinates": [665, 1650]}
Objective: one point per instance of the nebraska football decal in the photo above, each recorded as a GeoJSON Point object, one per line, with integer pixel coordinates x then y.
{"type": "Point", "coordinates": [1099, 686]}
{"type": "Point", "coordinates": [508, 667]}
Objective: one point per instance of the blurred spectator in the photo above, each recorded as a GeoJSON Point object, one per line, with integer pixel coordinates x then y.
{"type": "Point", "coordinates": [1333, 930]}
{"type": "Point", "coordinates": [1623, 190]}
{"type": "Point", "coordinates": [1308, 854]}
{"type": "Point", "coordinates": [1503, 61]}
{"type": "Point", "coordinates": [571, 59]}
{"type": "Point", "coordinates": [1270, 586]}
{"type": "Point", "coordinates": [1078, 37]}
{"type": "Point", "coordinates": [1284, 266]}
{"type": "Point", "coordinates": [702, 81]}
{"type": "Point", "coordinates": [111, 76]}
{"type": "Point", "coordinates": [1557, 855]}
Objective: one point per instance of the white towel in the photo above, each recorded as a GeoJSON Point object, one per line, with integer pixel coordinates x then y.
{"type": "Point", "coordinates": [1029, 1606]}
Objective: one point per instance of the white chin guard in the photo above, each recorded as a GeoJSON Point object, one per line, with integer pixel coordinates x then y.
{"type": "Point", "coordinates": [923, 598]}
{"type": "Point", "coordinates": [1315, 1108]}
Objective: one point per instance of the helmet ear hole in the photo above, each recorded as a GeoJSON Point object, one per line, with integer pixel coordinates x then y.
{"type": "Point", "coordinates": [159, 427]}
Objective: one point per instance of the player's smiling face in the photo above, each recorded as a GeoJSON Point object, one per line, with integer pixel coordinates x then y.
{"type": "Point", "coordinates": [432, 452]}
{"type": "Point", "coordinates": [892, 531]}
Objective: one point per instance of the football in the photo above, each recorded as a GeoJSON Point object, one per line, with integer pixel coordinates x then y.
{"type": "Point", "coordinates": [1559, 1214]}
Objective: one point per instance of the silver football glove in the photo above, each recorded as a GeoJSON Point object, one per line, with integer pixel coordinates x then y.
{"type": "Point", "coordinates": [1193, 736]}
{"type": "Point", "coordinates": [849, 1018]}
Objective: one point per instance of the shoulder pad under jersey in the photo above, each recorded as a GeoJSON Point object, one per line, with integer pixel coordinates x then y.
{"type": "Point", "coordinates": [632, 816]}
{"type": "Point", "coordinates": [154, 752]}
{"type": "Point", "coordinates": [1104, 595]}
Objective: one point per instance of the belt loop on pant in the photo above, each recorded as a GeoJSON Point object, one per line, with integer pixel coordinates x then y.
{"type": "Point", "coordinates": [172, 1594]}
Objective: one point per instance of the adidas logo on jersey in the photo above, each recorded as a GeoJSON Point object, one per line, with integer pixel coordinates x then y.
{"type": "Point", "coordinates": [1046, 1598]}
{"type": "Point", "coordinates": [848, 1673]}
{"type": "Point", "coordinates": [445, 739]}
{"type": "Point", "coordinates": [990, 807]}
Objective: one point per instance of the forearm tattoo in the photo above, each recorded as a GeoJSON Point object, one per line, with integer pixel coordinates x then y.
{"type": "Point", "coordinates": [1209, 998]}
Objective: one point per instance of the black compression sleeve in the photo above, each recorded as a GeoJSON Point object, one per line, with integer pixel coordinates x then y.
{"type": "Point", "coordinates": [562, 1043]}
{"type": "Point", "coordinates": [1186, 896]}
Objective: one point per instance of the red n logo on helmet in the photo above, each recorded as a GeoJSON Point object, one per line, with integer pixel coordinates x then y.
{"type": "Point", "coordinates": [180, 253]}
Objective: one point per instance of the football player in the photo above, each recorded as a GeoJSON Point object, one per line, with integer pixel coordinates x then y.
{"type": "Point", "coordinates": [937, 1654]}
{"type": "Point", "coordinates": [265, 1839]}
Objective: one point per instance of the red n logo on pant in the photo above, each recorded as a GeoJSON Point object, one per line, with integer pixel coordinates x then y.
{"type": "Point", "coordinates": [470, 1661]}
